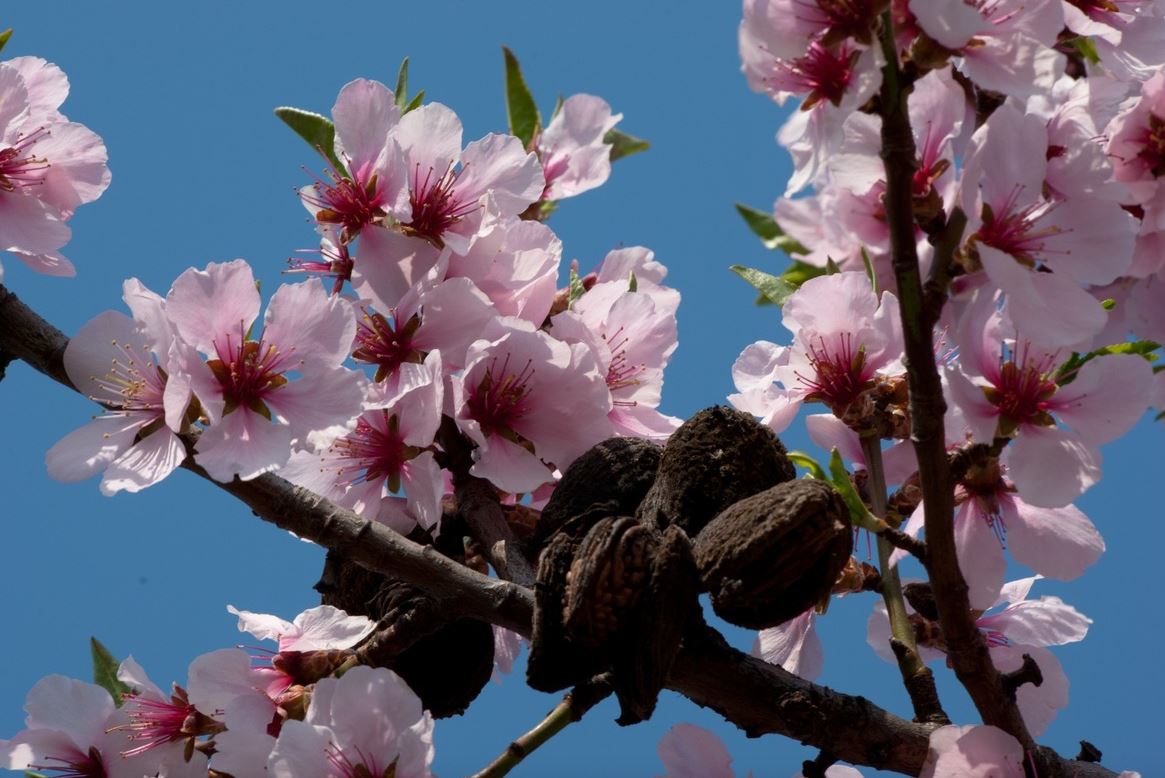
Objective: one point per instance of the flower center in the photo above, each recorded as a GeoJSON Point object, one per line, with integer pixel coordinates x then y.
{"type": "Point", "coordinates": [346, 202]}
{"type": "Point", "coordinates": [134, 376]}
{"type": "Point", "coordinates": [839, 374]}
{"type": "Point", "coordinates": [847, 19]}
{"type": "Point", "coordinates": [19, 167]}
{"type": "Point", "coordinates": [158, 722]}
{"type": "Point", "coordinates": [378, 343]}
{"type": "Point", "coordinates": [620, 373]}
{"type": "Point", "coordinates": [89, 765]}
{"type": "Point", "coordinates": [344, 767]}
{"type": "Point", "coordinates": [501, 398]}
{"type": "Point", "coordinates": [373, 451]}
{"type": "Point", "coordinates": [248, 371]}
{"type": "Point", "coordinates": [1015, 230]}
{"type": "Point", "coordinates": [1022, 391]}
{"type": "Point", "coordinates": [1153, 151]}
{"type": "Point", "coordinates": [435, 204]}
{"type": "Point", "coordinates": [334, 262]}
{"type": "Point", "coordinates": [821, 73]}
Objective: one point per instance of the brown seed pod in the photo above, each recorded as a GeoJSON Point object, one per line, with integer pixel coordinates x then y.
{"type": "Point", "coordinates": [769, 557]}
{"type": "Point", "coordinates": [607, 576]}
{"type": "Point", "coordinates": [617, 472]}
{"type": "Point", "coordinates": [715, 458]}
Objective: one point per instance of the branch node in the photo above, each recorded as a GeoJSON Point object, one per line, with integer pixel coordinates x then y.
{"type": "Point", "coordinates": [919, 686]}
{"type": "Point", "coordinates": [815, 768]}
{"type": "Point", "coordinates": [1028, 672]}
{"type": "Point", "coordinates": [1088, 752]}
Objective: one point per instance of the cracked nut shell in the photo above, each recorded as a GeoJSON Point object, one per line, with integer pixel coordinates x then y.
{"type": "Point", "coordinates": [715, 458]}
{"type": "Point", "coordinates": [770, 557]}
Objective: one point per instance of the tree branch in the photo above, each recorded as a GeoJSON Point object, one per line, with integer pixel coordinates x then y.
{"type": "Point", "coordinates": [967, 648]}
{"type": "Point", "coordinates": [757, 697]}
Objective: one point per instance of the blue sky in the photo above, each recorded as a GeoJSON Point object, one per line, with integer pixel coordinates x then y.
{"type": "Point", "coordinates": [202, 171]}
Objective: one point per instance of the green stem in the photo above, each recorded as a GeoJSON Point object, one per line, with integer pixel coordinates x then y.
{"type": "Point", "coordinates": [550, 726]}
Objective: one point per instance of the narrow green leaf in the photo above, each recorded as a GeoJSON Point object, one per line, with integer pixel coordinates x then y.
{"type": "Point", "coordinates": [415, 103]}
{"type": "Point", "coordinates": [577, 289]}
{"type": "Point", "coordinates": [318, 131]}
{"type": "Point", "coordinates": [772, 287]}
{"type": "Point", "coordinates": [31, 774]}
{"type": "Point", "coordinates": [4, 36]}
{"type": "Point", "coordinates": [831, 267]}
{"type": "Point", "coordinates": [839, 477]}
{"type": "Point", "coordinates": [1087, 49]}
{"type": "Point", "coordinates": [105, 671]}
{"type": "Point", "coordinates": [801, 459]}
{"type": "Point", "coordinates": [633, 283]}
{"type": "Point", "coordinates": [557, 107]}
{"type": "Point", "coordinates": [1159, 416]}
{"type": "Point", "coordinates": [624, 145]}
{"type": "Point", "coordinates": [765, 227]}
{"type": "Point", "coordinates": [520, 106]}
{"type": "Point", "coordinates": [1068, 371]}
{"type": "Point", "coordinates": [870, 272]}
{"type": "Point", "coordinates": [402, 85]}
{"type": "Point", "coordinates": [799, 272]}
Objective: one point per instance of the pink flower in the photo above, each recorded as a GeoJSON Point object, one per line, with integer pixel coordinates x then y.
{"type": "Point", "coordinates": [528, 401]}
{"type": "Point", "coordinates": [255, 409]}
{"type": "Point", "coordinates": [973, 752]}
{"type": "Point", "coordinates": [364, 113]}
{"type": "Point", "coordinates": [133, 368]}
{"type": "Point", "coordinates": [48, 165]}
{"type": "Point", "coordinates": [842, 338]}
{"type": "Point", "coordinates": [688, 751]}
{"type": "Point", "coordinates": [793, 645]}
{"type": "Point", "coordinates": [574, 156]}
{"type": "Point", "coordinates": [632, 340]}
{"type": "Point", "coordinates": [451, 190]}
{"type": "Point", "coordinates": [516, 266]}
{"type": "Point", "coordinates": [390, 447]}
{"type": "Point", "coordinates": [1023, 627]}
{"type": "Point", "coordinates": [366, 722]}
{"type": "Point", "coordinates": [1137, 147]}
{"type": "Point", "coordinates": [1011, 388]}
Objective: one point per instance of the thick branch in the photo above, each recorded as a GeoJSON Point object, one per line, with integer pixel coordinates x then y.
{"type": "Point", "coordinates": [967, 649]}
{"type": "Point", "coordinates": [757, 697]}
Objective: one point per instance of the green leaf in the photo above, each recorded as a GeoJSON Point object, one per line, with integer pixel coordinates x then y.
{"type": "Point", "coordinates": [624, 145]}
{"type": "Point", "coordinates": [577, 289]}
{"type": "Point", "coordinates": [415, 103]}
{"type": "Point", "coordinates": [105, 671]}
{"type": "Point", "coordinates": [4, 36]}
{"type": "Point", "coordinates": [633, 283]}
{"type": "Point", "coordinates": [402, 85]}
{"type": "Point", "coordinates": [766, 228]}
{"type": "Point", "coordinates": [31, 774]}
{"type": "Point", "coordinates": [801, 459]}
{"type": "Point", "coordinates": [557, 107]}
{"type": "Point", "coordinates": [771, 287]}
{"type": "Point", "coordinates": [1086, 48]}
{"type": "Point", "coordinates": [318, 131]}
{"type": "Point", "coordinates": [1159, 416]}
{"type": "Point", "coordinates": [870, 272]}
{"type": "Point", "coordinates": [1108, 303]}
{"type": "Point", "coordinates": [839, 477]}
{"type": "Point", "coordinates": [1068, 371]}
{"type": "Point", "coordinates": [831, 267]}
{"type": "Point", "coordinates": [521, 109]}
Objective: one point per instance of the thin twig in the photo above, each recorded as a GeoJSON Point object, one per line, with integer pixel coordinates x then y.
{"type": "Point", "coordinates": [572, 708]}
{"type": "Point", "coordinates": [967, 648]}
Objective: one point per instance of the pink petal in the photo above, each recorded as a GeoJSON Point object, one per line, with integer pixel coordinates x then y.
{"type": "Point", "coordinates": [364, 112]}
{"type": "Point", "coordinates": [688, 751]}
{"type": "Point", "coordinates": [32, 227]}
{"type": "Point", "coordinates": [1051, 467]}
{"type": "Point", "coordinates": [212, 303]}
{"type": "Point", "coordinates": [500, 165]}
{"type": "Point", "coordinates": [146, 463]}
{"type": "Point", "coordinates": [456, 311]}
{"type": "Point", "coordinates": [980, 555]}
{"type": "Point", "coordinates": [510, 467]}
{"type": "Point", "coordinates": [388, 264]}
{"type": "Point", "coordinates": [87, 451]}
{"type": "Point", "coordinates": [243, 443]}
{"type": "Point", "coordinates": [1038, 704]}
{"type": "Point", "coordinates": [430, 137]}
{"type": "Point", "coordinates": [322, 401]}
{"type": "Point", "coordinates": [47, 84]}
{"type": "Point", "coordinates": [75, 708]}
{"type": "Point", "coordinates": [1047, 621]}
{"type": "Point", "coordinates": [1107, 398]}
{"type": "Point", "coordinates": [325, 627]}
{"type": "Point", "coordinates": [1060, 543]}
{"type": "Point", "coordinates": [950, 22]}
{"type": "Point", "coordinates": [79, 173]}
{"type": "Point", "coordinates": [310, 326]}
{"type": "Point", "coordinates": [424, 486]}
{"type": "Point", "coordinates": [793, 645]}
{"type": "Point", "coordinates": [972, 752]}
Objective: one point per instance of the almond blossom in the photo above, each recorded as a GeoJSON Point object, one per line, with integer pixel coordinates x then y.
{"type": "Point", "coordinates": [1021, 627]}
{"type": "Point", "coordinates": [843, 336]}
{"type": "Point", "coordinates": [1008, 386]}
{"type": "Point", "coordinates": [1137, 147]}
{"type": "Point", "coordinates": [575, 157]}
{"type": "Point", "coordinates": [528, 401]}
{"type": "Point", "coordinates": [48, 165]}
{"type": "Point", "coordinates": [133, 367]}
{"type": "Point", "coordinates": [254, 408]}
{"type": "Point", "coordinates": [337, 738]}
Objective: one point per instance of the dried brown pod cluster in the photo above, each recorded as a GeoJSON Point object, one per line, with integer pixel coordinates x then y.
{"type": "Point", "coordinates": [616, 593]}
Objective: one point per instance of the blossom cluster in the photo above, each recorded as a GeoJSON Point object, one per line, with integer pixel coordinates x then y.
{"type": "Point", "coordinates": [293, 712]}
{"type": "Point", "coordinates": [1038, 132]}
{"type": "Point", "coordinates": [454, 337]}
{"type": "Point", "coordinates": [48, 165]}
